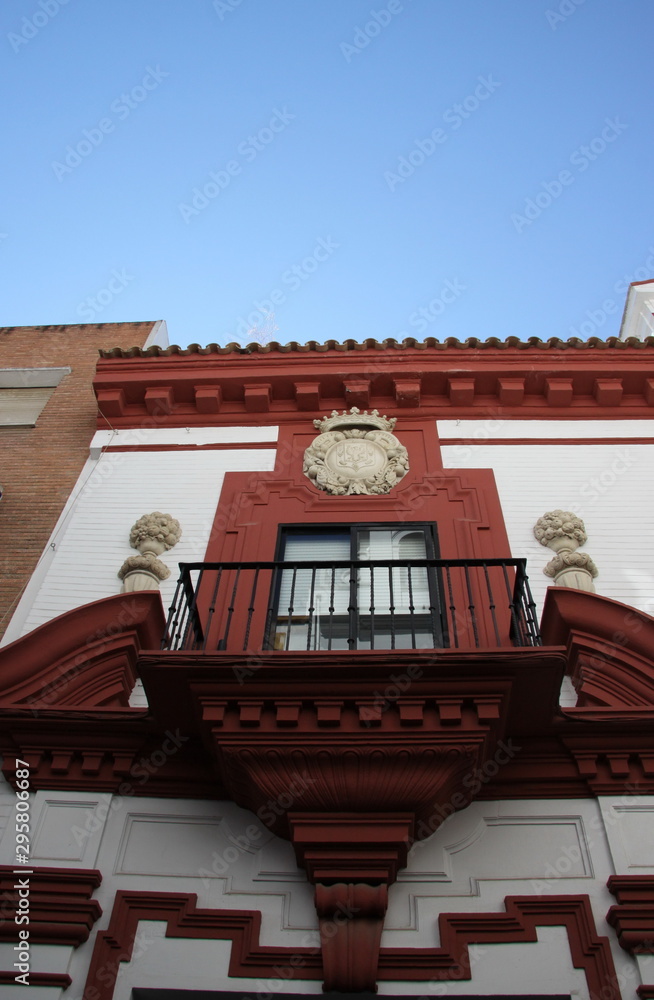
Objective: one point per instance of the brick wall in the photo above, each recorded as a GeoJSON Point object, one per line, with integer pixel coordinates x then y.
{"type": "Point", "coordinates": [40, 465]}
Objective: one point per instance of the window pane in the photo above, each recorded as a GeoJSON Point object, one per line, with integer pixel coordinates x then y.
{"type": "Point", "coordinates": [371, 607]}
{"type": "Point", "coordinates": [314, 601]}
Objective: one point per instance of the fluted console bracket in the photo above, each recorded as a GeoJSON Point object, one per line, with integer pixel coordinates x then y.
{"type": "Point", "coordinates": [351, 858]}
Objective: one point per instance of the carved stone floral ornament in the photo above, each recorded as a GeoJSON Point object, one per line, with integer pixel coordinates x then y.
{"type": "Point", "coordinates": [151, 535]}
{"type": "Point", "coordinates": [355, 452]}
{"type": "Point", "coordinates": [563, 531]}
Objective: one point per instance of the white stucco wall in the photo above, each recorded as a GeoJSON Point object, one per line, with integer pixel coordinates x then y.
{"type": "Point", "coordinates": [608, 485]}
{"type": "Point", "coordinates": [91, 540]}
{"type": "Point", "coordinates": [474, 860]}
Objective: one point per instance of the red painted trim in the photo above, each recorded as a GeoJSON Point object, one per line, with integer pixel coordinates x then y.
{"type": "Point", "coordinates": [510, 379]}
{"type": "Point", "coordinates": [609, 648]}
{"type": "Point", "coordinates": [185, 920]}
{"type": "Point", "coordinates": [84, 658]}
{"type": "Point", "coordinates": [230, 446]}
{"type": "Point", "coordinates": [633, 915]}
{"type": "Point", "coordinates": [61, 913]}
{"type": "Point", "coordinates": [590, 952]}
{"type": "Point", "coordinates": [477, 442]}
{"type": "Point", "coordinates": [58, 979]}
{"type": "Point", "coordinates": [524, 914]}
{"type": "Point", "coordinates": [61, 909]}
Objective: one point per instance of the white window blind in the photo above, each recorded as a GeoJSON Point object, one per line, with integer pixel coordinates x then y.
{"type": "Point", "coordinates": [296, 586]}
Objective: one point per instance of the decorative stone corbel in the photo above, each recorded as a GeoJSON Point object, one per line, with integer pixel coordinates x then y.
{"type": "Point", "coordinates": [563, 531]}
{"type": "Point", "coordinates": [151, 535]}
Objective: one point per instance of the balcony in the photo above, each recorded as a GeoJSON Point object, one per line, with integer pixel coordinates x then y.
{"type": "Point", "coordinates": [352, 605]}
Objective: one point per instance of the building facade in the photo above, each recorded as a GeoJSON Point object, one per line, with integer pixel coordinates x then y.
{"type": "Point", "coordinates": [48, 415]}
{"type": "Point", "coordinates": [349, 745]}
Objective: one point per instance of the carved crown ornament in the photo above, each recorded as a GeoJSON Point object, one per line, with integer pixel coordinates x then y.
{"type": "Point", "coordinates": [355, 453]}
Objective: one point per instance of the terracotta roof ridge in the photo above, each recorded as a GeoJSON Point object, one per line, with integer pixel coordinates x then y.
{"type": "Point", "coordinates": [294, 347]}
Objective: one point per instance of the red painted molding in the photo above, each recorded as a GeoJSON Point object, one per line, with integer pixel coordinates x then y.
{"type": "Point", "coordinates": [351, 919]}
{"type": "Point", "coordinates": [633, 916]}
{"type": "Point", "coordinates": [524, 914]}
{"type": "Point", "coordinates": [185, 920]}
{"type": "Point", "coordinates": [609, 648]}
{"type": "Point", "coordinates": [558, 441]}
{"type": "Point", "coordinates": [61, 912]}
{"type": "Point", "coordinates": [216, 446]}
{"type": "Point", "coordinates": [602, 379]}
{"type": "Point", "coordinates": [350, 848]}
{"type": "Point", "coordinates": [590, 952]}
{"type": "Point", "coordinates": [85, 658]}
{"type": "Point", "coordinates": [61, 909]}
{"type": "Point", "coordinates": [60, 980]}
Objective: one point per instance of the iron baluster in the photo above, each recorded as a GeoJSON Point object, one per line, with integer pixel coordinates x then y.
{"type": "Point", "coordinates": [471, 607]}
{"type": "Point", "coordinates": [230, 610]}
{"type": "Point", "coordinates": [311, 606]}
{"type": "Point", "coordinates": [491, 605]}
{"type": "Point", "coordinates": [411, 609]}
{"type": "Point", "coordinates": [452, 607]}
{"type": "Point", "coordinates": [248, 624]}
{"type": "Point", "coordinates": [391, 607]}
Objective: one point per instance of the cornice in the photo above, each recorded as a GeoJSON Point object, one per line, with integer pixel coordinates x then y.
{"type": "Point", "coordinates": [531, 379]}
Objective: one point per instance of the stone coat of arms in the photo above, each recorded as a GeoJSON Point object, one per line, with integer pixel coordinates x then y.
{"type": "Point", "coordinates": [355, 453]}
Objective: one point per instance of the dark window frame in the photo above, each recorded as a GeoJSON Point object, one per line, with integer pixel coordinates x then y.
{"type": "Point", "coordinates": [356, 623]}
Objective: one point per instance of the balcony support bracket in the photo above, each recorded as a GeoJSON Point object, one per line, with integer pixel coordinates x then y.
{"type": "Point", "coordinates": [351, 858]}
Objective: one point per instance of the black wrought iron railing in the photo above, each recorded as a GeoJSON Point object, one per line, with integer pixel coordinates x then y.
{"type": "Point", "coordinates": [348, 605]}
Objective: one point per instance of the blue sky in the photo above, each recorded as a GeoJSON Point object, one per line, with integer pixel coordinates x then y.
{"type": "Point", "coordinates": [315, 169]}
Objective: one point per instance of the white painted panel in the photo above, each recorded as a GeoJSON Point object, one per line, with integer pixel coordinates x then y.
{"type": "Point", "coordinates": [62, 831]}
{"type": "Point", "coordinates": [629, 825]}
{"type": "Point", "coordinates": [165, 963]}
{"type": "Point", "coordinates": [134, 436]}
{"type": "Point", "coordinates": [544, 968]}
{"type": "Point", "coordinates": [477, 858]}
{"type": "Point", "coordinates": [119, 489]}
{"type": "Point", "coordinates": [609, 486]}
{"type": "Point", "coordinates": [499, 427]}
{"type": "Point", "coordinates": [188, 845]}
